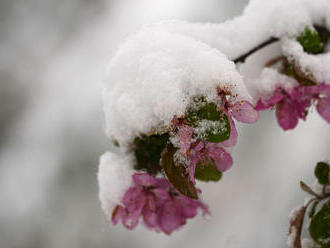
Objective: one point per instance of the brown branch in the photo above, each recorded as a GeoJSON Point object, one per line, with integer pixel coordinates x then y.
{"type": "Point", "coordinates": [243, 57]}
{"type": "Point", "coordinates": [296, 224]}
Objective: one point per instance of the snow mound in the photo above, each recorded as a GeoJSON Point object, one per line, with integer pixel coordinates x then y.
{"type": "Point", "coordinates": [154, 76]}
{"type": "Point", "coordinates": [114, 177]}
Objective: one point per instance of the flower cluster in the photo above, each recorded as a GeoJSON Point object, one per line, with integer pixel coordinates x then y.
{"type": "Point", "coordinates": [204, 151]}
{"type": "Point", "coordinates": [292, 105]}
{"type": "Point", "coordinates": [161, 206]}
{"type": "Point", "coordinates": [174, 117]}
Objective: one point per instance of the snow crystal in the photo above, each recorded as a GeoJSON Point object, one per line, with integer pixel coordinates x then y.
{"type": "Point", "coordinates": [154, 76]}
{"type": "Point", "coordinates": [206, 126]}
{"type": "Point", "coordinates": [114, 177]}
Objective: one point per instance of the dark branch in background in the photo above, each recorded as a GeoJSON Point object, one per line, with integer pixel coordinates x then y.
{"type": "Point", "coordinates": [242, 58]}
{"type": "Point", "coordinates": [321, 29]}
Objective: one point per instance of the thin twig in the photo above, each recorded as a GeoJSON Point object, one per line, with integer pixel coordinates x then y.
{"type": "Point", "coordinates": [253, 50]}
{"type": "Point", "coordinates": [242, 58]}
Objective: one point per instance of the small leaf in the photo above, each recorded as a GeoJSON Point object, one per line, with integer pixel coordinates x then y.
{"type": "Point", "coordinates": [207, 172]}
{"type": "Point", "coordinates": [319, 228]}
{"type": "Point", "coordinates": [210, 124]}
{"type": "Point", "coordinates": [311, 42]}
{"type": "Point", "coordinates": [307, 189]}
{"type": "Point", "coordinates": [177, 173]}
{"type": "Point", "coordinates": [115, 143]}
{"type": "Point", "coordinates": [321, 172]}
{"type": "Point", "coordinates": [213, 131]}
{"type": "Point", "coordinates": [304, 78]}
{"type": "Point", "coordinates": [147, 150]}
{"type": "Point", "coordinates": [202, 110]}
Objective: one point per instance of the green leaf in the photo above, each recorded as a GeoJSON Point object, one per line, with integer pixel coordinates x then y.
{"type": "Point", "coordinates": [213, 131]}
{"type": "Point", "coordinates": [304, 78]}
{"type": "Point", "coordinates": [322, 172]}
{"type": "Point", "coordinates": [200, 109]}
{"type": "Point", "coordinates": [147, 151]}
{"type": "Point", "coordinates": [207, 172]}
{"type": "Point", "coordinates": [115, 143]}
{"type": "Point", "coordinates": [177, 174]}
{"type": "Point", "coordinates": [210, 124]}
{"type": "Point", "coordinates": [319, 228]}
{"type": "Point", "coordinates": [311, 41]}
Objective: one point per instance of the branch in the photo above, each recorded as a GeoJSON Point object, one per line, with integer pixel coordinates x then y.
{"type": "Point", "coordinates": [242, 58]}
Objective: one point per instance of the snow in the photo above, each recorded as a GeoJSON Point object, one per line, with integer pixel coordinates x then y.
{"type": "Point", "coordinates": [308, 243]}
{"type": "Point", "coordinates": [271, 18]}
{"type": "Point", "coordinates": [155, 75]}
{"type": "Point", "coordinates": [114, 177]}
{"type": "Point", "coordinates": [318, 65]}
{"type": "Point", "coordinates": [292, 237]}
{"type": "Point", "coordinates": [261, 81]}
{"type": "Point", "coordinates": [205, 126]}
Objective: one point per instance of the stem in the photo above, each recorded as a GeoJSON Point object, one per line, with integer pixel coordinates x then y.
{"type": "Point", "coordinates": [298, 222]}
{"type": "Point", "coordinates": [242, 58]}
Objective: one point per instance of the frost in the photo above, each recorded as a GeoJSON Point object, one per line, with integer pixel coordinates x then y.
{"type": "Point", "coordinates": [214, 127]}
{"type": "Point", "coordinates": [114, 177]}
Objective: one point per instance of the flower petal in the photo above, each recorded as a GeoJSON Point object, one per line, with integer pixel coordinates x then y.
{"type": "Point", "coordinates": [222, 160]}
{"type": "Point", "coordinates": [144, 179]}
{"type": "Point", "coordinates": [185, 135]}
{"type": "Point", "coordinates": [233, 134]}
{"type": "Point", "coordinates": [323, 107]}
{"type": "Point", "coordinates": [117, 214]}
{"type": "Point", "coordinates": [262, 105]}
{"type": "Point", "coordinates": [286, 115]}
{"type": "Point", "coordinates": [170, 218]}
{"type": "Point", "coordinates": [244, 112]}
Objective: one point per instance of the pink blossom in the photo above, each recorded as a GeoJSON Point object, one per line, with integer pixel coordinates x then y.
{"type": "Point", "coordinates": [292, 105]}
{"type": "Point", "coordinates": [161, 206]}
{"type": "Point", "coordinates": [242, 111]}
{"type": "Point", "coordinates": [202, 151]}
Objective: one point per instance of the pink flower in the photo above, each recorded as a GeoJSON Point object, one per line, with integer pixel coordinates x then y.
{"type": "Point", "coordinates": [242, 111]}
{"type": "Point", "coordinates": [161, 206]}
{"type": "Point", "coordinates": [292, 105]}
{"type": "Point", "coordinates": [202, 151]}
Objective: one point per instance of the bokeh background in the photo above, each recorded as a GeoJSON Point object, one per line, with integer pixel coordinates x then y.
{"type": "Point", "coordinates": [52, 56]}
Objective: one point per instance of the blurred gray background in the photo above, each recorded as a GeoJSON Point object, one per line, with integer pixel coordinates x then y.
{"type": "Point", "coordinates": [51, 128]}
